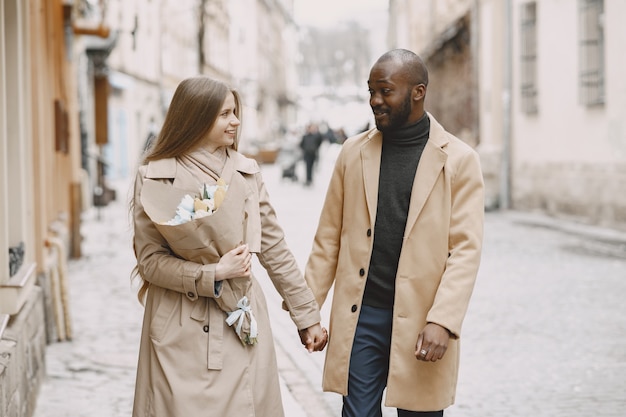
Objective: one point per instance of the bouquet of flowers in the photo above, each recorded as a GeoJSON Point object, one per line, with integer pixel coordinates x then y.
{"type": "Point", "coordinates": [190, 208]}
{"type": "Point", "coordinates": [201, 227]}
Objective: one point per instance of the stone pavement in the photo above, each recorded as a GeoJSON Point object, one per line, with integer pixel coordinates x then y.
{"type": "Point", "coordinates": [545, 334]}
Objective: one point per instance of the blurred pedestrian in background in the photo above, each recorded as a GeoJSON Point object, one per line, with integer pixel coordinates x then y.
{"type": "Point", "coordinates": [310, 145]}
{"type": "Point", "coordinates": [340, 135]}
{"type": "Point", "coordinates": [400, 238]}
{"type": "Point", "coordinates": [191, 363]}
{"type": "Point", "coordinates": [290, 155]}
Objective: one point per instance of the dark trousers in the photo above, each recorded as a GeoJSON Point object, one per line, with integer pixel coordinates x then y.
{"type": "Point", "coordinates": [369, 366]}
{"type": "Point", "coordinates": [309, 161]}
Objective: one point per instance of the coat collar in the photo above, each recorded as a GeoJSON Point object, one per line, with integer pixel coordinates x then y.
{"type": "Point", "coordinates": [167, 167]}
{"type": "Point", "coordinates": [429, 168]}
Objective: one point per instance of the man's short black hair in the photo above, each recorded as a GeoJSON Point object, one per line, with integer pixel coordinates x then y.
{"type": "Point", "coordinates": [416, 70]}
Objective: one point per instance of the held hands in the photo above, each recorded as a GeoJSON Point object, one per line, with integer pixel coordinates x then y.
{"type": "Point", "coordinates": [314, 338]}
{"type": "Point", "coordinates": [432, 343]}
{"type": "Point", "coordinates": [234, 264]}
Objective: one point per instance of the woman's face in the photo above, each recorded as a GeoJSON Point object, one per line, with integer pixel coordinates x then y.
{"type": "Point", "coordinates": [224, 129]}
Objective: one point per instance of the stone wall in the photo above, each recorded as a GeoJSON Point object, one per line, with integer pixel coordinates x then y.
{"type": "Point", "coordinates": [491, 164]}
{"type": "Point", "coordinates": [22, 358]}
{"type": "Point", "coordinates": [588, 193]}
{"type": "Point", "coordinates": [451, 93]}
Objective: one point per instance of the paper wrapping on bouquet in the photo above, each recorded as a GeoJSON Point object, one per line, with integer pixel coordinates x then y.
{"type": "Point", "coordinates": [205, 240]}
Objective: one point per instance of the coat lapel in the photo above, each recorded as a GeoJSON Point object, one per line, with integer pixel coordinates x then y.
{"type": "Point", "coordinates": [370, 164]}
{"type": "Point", "coordinates": [429, 168]}
{"type": "Point", "coordinates": [168, 169]}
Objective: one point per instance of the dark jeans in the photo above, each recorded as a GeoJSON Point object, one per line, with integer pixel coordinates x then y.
{"type": "Point", "coordinates": [369, 366]}
{"type": "Point", "coordinates": [309, 161]}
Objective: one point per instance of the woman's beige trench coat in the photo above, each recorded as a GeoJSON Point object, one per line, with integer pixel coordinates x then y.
{"type": "Point", "coordinates": [191, 363]}
{"type": "Point", "coordinates": [436, 272]}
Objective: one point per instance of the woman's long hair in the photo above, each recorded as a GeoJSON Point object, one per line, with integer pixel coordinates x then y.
{"type": "Point", "coordinates": [195, 106]}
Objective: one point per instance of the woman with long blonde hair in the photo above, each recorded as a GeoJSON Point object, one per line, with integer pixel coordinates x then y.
{"type": "Point", "coordinates": [194, 359]}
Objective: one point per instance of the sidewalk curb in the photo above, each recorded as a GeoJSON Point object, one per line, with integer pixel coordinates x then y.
{"type": "Point", "coordinates": [599, 240]}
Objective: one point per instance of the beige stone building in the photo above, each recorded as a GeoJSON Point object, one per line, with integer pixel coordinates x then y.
{"type": "Point", "coordinates": [441, 33]}
{"type": "Point", "coordinates": [262, 50]}
{"type": "Point", "coordinates": [82, 84]}
{"type": "Point", "coordinates": [549, 98]}
{"type": "Point", "coordinates": [44, 186]}
{"type": "Point", "coordinates": [156, 45]}
{"type": "Point", "coordinates": [247, 43]}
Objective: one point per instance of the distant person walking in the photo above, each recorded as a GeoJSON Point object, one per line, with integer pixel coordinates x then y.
{"type": "Point", "coordinates": [310, 144]}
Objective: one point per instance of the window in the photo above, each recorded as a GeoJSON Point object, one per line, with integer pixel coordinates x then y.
{"type": "Point", "coordinates": [12, 155]}
{"type": "Point", "coordinates": [591, 52]}
{"type": "Point", "coordinates": [16, 256]}
{"type": "Point", "coordinates": [528, 59]}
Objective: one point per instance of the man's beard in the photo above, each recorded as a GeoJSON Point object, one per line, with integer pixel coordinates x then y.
{"type": "Point", "coordinates": [397, 118]}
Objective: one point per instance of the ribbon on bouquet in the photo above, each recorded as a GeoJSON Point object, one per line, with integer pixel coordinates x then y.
{"type": "Point", "coordinates": [243, 308]}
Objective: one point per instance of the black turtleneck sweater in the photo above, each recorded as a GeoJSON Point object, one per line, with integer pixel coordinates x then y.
{"type": "Point", "coordinates": [401, 153]}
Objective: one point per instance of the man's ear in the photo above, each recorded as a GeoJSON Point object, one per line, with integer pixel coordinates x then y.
{"type": "Point", "coordinates": [419, 92]}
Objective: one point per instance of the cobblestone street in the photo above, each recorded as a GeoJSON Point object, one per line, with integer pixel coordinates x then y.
{"type": "Point", "coordinates": [545, 333]}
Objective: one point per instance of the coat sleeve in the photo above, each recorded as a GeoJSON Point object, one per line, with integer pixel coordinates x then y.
{"type": "Point", "coordinates": [321, 267]}
{"type": "Point", "coordinates": [281, 266]}
{"type": "Point", "coordinates": [464, 243]}
{"type": "Point", "coordinates": [156, 262]}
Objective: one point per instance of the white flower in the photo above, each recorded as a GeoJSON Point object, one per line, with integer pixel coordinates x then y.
{"type": "Point", "coordinates": [187, 203]}
{"type": "Point", "coordinates": [191, 208]}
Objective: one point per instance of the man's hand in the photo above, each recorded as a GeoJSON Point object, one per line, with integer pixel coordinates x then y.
{"type": "Point", "coordinates": [314, 338]}
{"type": "Point", "coordinates": [432, 343]}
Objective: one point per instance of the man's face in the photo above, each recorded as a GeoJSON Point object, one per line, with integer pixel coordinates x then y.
{"type": "Point", "coordinates": [390, 97]}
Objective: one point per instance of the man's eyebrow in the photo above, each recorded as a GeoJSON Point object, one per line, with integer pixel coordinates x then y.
{"type": "Point", "coordinates": [381, 81]}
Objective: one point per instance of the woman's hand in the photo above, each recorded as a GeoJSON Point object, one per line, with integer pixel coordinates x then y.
{"type": "Point", "coordinates": [234, 264]}
{"type": "Point", "coordinates": [314, 338]}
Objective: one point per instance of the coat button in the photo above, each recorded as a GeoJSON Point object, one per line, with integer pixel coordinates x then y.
{"type": "Point", "coordinates": [190, 294]}
{"type": "Point", "coordinates": [369, 232]}
{"type": "Point", "coordinates": [354, 307]}
{"type": "Point", "coordinates": [361, 271]}
{"type": "Point", "coordinates": [205, 328]}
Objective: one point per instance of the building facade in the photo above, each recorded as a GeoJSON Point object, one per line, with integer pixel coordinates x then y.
{"type": "Point", "coordinates": [247, 44]}
{"type": "Point", "coordinates": [563, 100]}
{"type": "Point", "coordinates": [43, 190]}
{"type": "Point", "coordinates": [83, 84]}
{"type": "Point", "coordinates": [549, 105]}
{"type": "Point", "coordinates": [441, 33]}
{"type": "Point", "coordinates": [263, 38]}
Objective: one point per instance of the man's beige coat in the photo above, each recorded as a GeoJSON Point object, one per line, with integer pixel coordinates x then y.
{"type": "Point", "coordinates": [190, 362]}
{"type": "Point", "coordinates": [437, 268]}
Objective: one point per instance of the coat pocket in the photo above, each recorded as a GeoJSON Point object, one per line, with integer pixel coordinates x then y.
{"type": "Point", "coordinates": [166, 304]}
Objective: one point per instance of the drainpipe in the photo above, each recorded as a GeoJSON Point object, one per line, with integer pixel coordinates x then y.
{"type": "Point", "coordinates": [505, 174]}
{"type": "Point", "coordinates": [474, 45]}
